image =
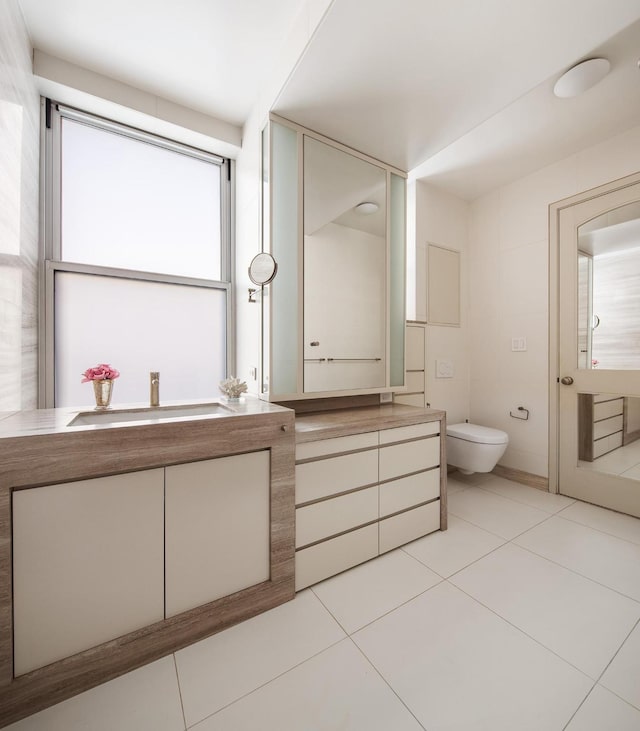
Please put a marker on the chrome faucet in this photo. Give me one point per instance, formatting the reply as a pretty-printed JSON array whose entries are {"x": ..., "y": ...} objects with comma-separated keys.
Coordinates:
[{"x": 154, "y": 388}]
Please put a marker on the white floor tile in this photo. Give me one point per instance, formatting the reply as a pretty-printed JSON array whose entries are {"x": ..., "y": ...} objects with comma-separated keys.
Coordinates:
[
  {"x": 623, "y": 675},
  {"x": 449, "y": 551},
  {"x": 226, "y": 666},
  {"x": 607, "y": 521},
  {"x": 146, "y": 699},
  {"x": 366, "y": 592},
  {"x": 583, "y": 622},
  {"x": 459, "y": 666},
  {"x": 337, "y": 689},
  {"x": 603, "y": 558},
  {"x": 501, "y": 516},
  {"x": 603, "y": 710},
  {"x": 539, "y": 499}
]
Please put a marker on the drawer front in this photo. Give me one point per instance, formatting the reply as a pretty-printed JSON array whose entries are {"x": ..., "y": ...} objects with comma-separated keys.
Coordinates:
[
  {"x": 607, "y": 444},
  {"x": 315, "y": 480},
  {"x": 325, "y": 559},
  {"x": 337, "y": 445},
  {"x": 401, "y": 529},
  {"x": 413, "y": 399},
  {"x": 415, "y": 348},
  {"x": 607, "y": 426},
  {"x": 415, "y": 381},
  {"x": 409, "y": 491},
  {"x": 605, "y": 409},
  {"x": 402, "y": 459},
  {"x": 415, "y": 431},
  {"x": 321, "y": 520}
]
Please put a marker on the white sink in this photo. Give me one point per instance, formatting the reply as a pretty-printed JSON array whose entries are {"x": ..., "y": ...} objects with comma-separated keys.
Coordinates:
[{"x": 154, "y": 414}]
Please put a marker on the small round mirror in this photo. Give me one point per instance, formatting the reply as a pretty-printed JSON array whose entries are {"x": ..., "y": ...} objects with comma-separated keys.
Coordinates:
[{"x": 263, "y": 269}]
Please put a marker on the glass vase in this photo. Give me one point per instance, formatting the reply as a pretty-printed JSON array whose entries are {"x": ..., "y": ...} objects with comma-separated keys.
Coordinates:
[{"x": 103, "y": 390}]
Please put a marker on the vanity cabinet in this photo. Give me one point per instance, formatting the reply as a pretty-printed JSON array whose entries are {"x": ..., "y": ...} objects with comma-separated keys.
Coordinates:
[
  {"x": 217, "y": 529},
  {"x": 360, "y": 495},
  {"x": 87, "y": 564},
  {"x": 334, "y": 220},
  {"x": 601, "y": 424}
]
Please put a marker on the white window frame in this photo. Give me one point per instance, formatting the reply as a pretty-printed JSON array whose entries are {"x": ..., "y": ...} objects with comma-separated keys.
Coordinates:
[{"x": 51, "y": 244}]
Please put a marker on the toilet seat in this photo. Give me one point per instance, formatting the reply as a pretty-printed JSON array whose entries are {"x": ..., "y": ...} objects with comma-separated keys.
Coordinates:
[{"x": 477, "y": 434}]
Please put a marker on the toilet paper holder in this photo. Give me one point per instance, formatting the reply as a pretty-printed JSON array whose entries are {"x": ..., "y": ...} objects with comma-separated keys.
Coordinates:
[{"x": 522, "y": 414}]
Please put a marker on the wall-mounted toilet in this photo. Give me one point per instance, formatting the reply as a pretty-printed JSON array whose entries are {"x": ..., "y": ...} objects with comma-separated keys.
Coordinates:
[{"x": 472, "y": 448}]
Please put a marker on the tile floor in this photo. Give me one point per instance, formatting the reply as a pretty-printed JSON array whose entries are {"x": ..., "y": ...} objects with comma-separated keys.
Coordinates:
[
  {"x": 523, "y": 615},
  {"x": 624, "y": 461}
]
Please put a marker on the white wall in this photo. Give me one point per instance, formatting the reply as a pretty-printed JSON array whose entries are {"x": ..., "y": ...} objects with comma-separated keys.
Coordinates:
[
  {"x": 19, "y": 160},
  {"x": 508, "y": 294},
  {"x": 443, "y": 219}
]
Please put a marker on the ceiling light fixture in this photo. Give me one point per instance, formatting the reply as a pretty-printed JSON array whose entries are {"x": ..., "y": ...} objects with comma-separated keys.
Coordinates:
[
  {"x": 581, "y": 77},
  {"x": 366, "y": 208}
]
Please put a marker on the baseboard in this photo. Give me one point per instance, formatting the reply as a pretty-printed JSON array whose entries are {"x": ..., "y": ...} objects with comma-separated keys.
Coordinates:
[{"x": 525, "y": 478}]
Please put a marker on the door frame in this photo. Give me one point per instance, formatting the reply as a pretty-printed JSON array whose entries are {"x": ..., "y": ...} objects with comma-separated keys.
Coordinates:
[{"x": 554, "y": 314}]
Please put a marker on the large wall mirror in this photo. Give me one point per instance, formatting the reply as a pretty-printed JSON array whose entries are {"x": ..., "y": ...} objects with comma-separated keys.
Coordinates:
[{"x": 344, "y": 281}]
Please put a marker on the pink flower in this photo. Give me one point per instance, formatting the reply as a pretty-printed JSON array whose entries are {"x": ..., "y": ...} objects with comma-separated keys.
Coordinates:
[{"x": 102, "y": 372}]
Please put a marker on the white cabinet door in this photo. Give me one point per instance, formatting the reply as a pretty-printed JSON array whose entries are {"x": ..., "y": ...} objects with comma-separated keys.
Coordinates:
[
  {"x": 87, "y": 564},
  {"x": 217, "y": 528}
]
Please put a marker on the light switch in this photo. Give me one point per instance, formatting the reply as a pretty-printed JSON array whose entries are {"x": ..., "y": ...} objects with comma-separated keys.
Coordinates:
[
  {"x": 518, "y": 344},
  {"x": 444, "y": 369}
]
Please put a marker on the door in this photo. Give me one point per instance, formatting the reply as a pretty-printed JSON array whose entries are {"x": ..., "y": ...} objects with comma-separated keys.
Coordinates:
[{"x": 599, "y": 348}]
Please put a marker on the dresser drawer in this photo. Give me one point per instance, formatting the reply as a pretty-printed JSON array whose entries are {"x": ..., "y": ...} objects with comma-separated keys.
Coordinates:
[
  {"x": 333, "y": 556},
  {"x": 415, "y": 431},
  {"x": 315, "y": 480},
  {"x": 605, "y": 409},
  {"x": 350, "y": 443},
  {"x": 402, "y": 459},
  {"x": 329, "y": 517},
  {"x": 409, "y": 491},
  {"x": 408, "y": 526},
  {"x": 607, "y": 426}
]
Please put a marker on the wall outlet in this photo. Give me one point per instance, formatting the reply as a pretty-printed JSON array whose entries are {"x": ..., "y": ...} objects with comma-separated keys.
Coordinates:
[
  {"x": 386, "y": 398},
  {"x": 253, "y": 373}
]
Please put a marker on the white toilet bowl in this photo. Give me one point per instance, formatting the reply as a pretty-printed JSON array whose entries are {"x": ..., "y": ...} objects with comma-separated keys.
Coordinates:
[{"x": 472, "y": 448}]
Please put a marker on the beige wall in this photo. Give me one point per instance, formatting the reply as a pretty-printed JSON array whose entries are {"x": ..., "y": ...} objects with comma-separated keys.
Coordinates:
[
  {"x": 19, "y": 160},
  {"x": 508, "y": 297}
]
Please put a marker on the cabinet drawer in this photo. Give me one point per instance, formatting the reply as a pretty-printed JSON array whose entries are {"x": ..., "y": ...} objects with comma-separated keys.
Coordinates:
[
  {"x": 607, "y": 426},
  {"x": 402, "y": 459},
  {"x": 401, "y": 433},
  {"x": 320, "y": 520},
  {"x": 409, "y": 491},
  {"x": 415, "y": 348},
  {"x": 412, "y": 399},
  {"x": 607, "y": 444},
  {"x": 401, "y": 529},
  {"x": 337, "y": 445},
  {"x": 327, "y": 477},
  {"x": 331, "y": 557},
  {"x": 415, "y": 381},
  {"x": 605, "y": 409}
]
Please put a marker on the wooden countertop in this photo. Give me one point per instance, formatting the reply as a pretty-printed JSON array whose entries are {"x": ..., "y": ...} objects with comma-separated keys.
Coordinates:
[
  {"x": 341, "y": 422},
  {"x": 38, "y": 447}
]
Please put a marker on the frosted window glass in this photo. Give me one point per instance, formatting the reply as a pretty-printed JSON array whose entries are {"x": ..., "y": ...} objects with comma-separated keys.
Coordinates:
[
  {"x": 397, "y": 279},
  {"x": 284, "y": 289},
  {"x": 138, "y": 327},
  {"x": 134, "y": 205}
]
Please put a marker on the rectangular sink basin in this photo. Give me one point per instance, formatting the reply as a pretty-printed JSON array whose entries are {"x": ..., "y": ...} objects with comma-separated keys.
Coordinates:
[{"x": 153, "y": 414}]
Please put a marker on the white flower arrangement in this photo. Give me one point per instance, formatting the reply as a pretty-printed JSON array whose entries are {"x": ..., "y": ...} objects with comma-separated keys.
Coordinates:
[{"x": 233, "y": 387}]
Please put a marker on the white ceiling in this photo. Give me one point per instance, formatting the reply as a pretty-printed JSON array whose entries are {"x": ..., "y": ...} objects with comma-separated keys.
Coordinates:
[{"x": 458, "y": 91}]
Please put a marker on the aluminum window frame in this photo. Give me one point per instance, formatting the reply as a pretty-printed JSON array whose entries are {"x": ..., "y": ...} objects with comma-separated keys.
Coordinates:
[{"x": 51, "y": 261}]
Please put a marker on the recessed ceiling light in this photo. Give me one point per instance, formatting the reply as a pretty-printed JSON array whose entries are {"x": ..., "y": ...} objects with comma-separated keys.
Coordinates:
[
  {"x": 581, "y": 77},
  {"x": 366, "y": 208}
]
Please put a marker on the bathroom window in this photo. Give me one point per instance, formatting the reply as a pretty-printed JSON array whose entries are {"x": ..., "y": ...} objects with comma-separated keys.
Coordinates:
[{"x": 137, "y": 262}]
